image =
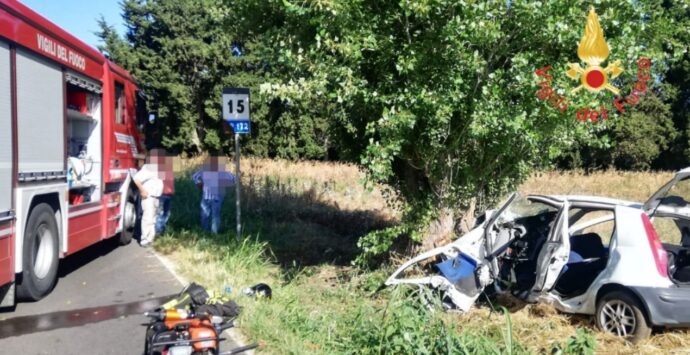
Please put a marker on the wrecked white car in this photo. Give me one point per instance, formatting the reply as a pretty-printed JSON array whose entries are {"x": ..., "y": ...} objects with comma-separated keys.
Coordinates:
[{"x": 583, "y": 254}]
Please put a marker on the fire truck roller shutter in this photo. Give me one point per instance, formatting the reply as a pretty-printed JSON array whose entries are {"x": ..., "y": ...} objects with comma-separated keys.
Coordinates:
[
  {"x": 5, "y": 131},
  {"x": 40, "y": 115}
]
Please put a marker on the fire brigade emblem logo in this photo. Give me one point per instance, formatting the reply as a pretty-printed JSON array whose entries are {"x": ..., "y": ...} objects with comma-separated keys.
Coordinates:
[{"x": 594, "y": 50}]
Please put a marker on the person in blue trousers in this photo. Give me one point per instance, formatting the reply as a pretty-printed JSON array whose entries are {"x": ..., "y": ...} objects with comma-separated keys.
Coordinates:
[
  {"x": 214, "y": 181},
  {"x": 165, "y": 200}
]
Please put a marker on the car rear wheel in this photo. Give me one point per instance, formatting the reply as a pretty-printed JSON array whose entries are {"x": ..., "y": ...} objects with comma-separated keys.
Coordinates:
[
  {"x": 619, "y": 313},
  {"x": 40, "y": 254}
]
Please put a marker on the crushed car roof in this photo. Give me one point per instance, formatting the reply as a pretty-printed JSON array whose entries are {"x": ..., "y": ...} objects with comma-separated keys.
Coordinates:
[{"x": 589, "y": 199}]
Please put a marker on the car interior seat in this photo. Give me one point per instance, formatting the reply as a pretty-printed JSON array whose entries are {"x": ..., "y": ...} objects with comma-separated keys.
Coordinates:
[
  {"x": 682, "y": 274},
  {"x": 679, "y": 258},
  {"x": 679, "y": 265},
  {"x": 588, "y": 258},
  {"x": 588, "y": 245}
]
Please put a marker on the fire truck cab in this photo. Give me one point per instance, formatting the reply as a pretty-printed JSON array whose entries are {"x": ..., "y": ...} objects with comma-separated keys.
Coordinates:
[{"x": 69, "y": 141}]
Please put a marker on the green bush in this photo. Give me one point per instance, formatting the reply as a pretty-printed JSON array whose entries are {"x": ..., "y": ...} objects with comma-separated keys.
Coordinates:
[
  {"x": 412, "y": 323},
  {"x": 582, "y": 343}
]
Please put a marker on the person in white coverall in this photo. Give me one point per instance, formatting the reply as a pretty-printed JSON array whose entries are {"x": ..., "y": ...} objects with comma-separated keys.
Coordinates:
[{"x": 150, "y": 185}]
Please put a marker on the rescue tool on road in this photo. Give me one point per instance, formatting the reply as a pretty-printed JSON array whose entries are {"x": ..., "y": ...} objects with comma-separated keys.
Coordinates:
[{"x": 191, "y": 324}]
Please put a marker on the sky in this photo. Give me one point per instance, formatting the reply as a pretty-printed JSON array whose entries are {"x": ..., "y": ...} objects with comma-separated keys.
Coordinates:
[{"x": 79, "y": 17}]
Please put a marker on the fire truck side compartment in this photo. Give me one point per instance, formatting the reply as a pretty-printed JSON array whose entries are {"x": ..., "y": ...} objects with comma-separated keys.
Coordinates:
[
  {"x": 40, "y": 115},
  {"x": 84, "y": 135}
]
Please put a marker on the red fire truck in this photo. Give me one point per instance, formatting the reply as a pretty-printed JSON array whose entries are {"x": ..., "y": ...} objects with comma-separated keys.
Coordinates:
[{"x": 69, "y": 140}]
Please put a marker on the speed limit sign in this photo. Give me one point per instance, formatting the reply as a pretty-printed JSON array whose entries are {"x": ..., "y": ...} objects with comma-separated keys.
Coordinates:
[{"x": 236, "y": 109}]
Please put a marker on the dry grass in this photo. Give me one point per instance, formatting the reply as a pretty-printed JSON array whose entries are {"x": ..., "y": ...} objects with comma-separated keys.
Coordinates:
[
  {"x": 633, "y": 186},
  {"x": 338, "y": 185},
  {"x": 538, "y": 326}
]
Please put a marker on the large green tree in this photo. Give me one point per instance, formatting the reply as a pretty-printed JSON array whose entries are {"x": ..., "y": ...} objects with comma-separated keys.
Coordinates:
[
  {"x": 678, "y": 79},
  {"x": 182, "y": 54},
  {"x": 437, "y": 98},
  {"x": 176, "y": 50}
]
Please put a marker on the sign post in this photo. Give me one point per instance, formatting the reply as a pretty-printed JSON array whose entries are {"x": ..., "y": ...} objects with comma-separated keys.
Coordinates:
[
  {"x": 236, "y": 113},
  {"x": 238, "y": 183}
]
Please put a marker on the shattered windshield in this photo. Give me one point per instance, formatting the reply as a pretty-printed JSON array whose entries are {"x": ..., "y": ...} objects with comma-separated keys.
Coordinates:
[{"x": 523, "y": 207}]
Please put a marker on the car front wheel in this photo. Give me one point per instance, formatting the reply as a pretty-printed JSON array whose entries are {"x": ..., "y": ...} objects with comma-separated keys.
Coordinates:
[{"x": 621, "y": 314}]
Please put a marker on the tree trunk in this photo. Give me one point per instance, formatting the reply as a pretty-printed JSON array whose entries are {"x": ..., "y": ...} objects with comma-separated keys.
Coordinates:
[
  {"x": 440, "y": 231},
  {"x": 196, "y": 141},
  {"x": 447, "y": 228},
  {"x": 467, "y": 221}
]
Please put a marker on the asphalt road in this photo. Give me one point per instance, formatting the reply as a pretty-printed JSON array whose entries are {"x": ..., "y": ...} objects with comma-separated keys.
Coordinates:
[{"x": 84, "y": 314}]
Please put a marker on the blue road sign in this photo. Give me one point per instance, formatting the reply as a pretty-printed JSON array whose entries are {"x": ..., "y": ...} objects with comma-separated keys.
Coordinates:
[{"x": 241, "y": 127}]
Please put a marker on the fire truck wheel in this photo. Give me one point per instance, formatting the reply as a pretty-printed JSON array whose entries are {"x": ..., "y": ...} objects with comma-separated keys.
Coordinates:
[
  {"x": 129, "y": 219},
  {"x": 40, "y": 254}
]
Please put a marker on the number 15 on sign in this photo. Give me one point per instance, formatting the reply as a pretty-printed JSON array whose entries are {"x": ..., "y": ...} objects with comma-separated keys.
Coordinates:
[{"x": 236, "y": 104}]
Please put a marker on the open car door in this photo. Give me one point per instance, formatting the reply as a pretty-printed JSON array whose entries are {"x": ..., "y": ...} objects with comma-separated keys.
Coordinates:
[
  {"x": 672, "y": 199},
  {"x": 672, "y": 202},
  {"x": 553, "y": 255},
  {"x": 460, "y": 269}
]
